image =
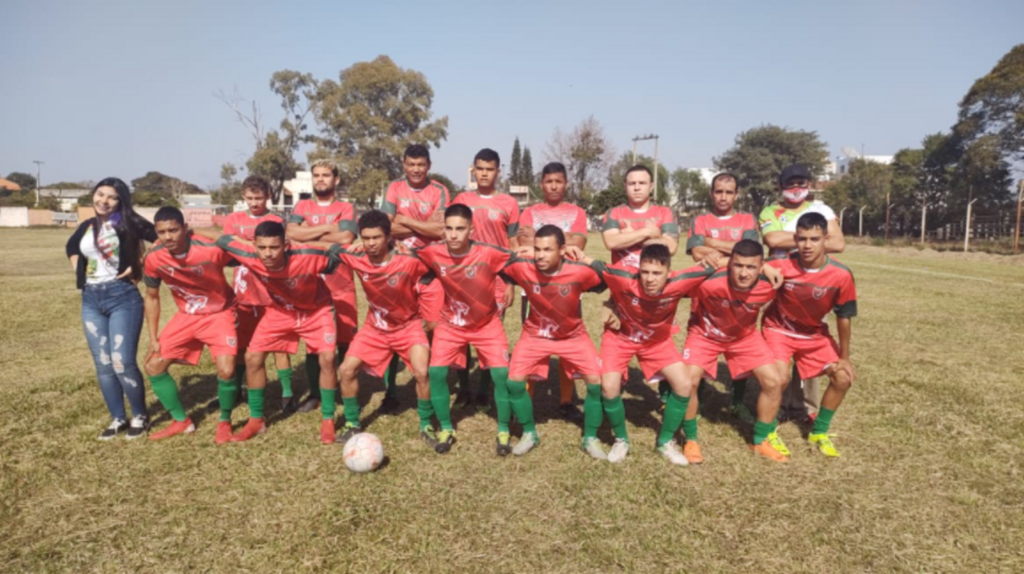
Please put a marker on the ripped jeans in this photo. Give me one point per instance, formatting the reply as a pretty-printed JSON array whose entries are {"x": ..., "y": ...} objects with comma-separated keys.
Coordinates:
[{"x": 112, "y": 316}]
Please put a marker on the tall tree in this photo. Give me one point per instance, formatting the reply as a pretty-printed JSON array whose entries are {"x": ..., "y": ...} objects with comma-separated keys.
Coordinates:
[
  {"x": 982, "y": 173},
  {"x": 867, "y": 183},
  {"x": 230, "y": 190},
  {"x": 529, "y": 177},
  {"x": 24, "y": 180},
  {"x": 516, "y": 170},
  {"x": 994, "y": 106},
  {"x": 690, "y": 190},
  {"x": 368, "y": 117},
  {"x": 759, "y": 154},
  {"x": 587, "y": 153}
]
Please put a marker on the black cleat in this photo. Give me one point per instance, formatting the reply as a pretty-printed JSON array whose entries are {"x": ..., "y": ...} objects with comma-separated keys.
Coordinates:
[
  {"x": 289, "y": 405},
  {"x": 350, "y": 431},
  {"x": 310, "y": 404},
  {"x": 504, "y": 442}
]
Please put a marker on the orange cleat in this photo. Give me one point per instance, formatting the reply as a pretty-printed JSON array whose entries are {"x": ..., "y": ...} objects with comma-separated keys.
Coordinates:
[
  {"x": 691, "y": 450},
  {"x": 327, "y": 431},
  {"x": 223, "y": 432},
  {"x": 766, "y": 450},
  {"x": 252, "y": 428},
  {"x": 177, "y": 427}
]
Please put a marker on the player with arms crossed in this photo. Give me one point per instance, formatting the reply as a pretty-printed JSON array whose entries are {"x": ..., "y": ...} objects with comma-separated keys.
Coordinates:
[
  {"x": 193, "y": 270},
  {"x": 555, "y": 326},
  {"x": 795, "y": 328}
]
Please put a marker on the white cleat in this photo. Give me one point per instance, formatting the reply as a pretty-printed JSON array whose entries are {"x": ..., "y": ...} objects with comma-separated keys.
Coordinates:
[
  {"x": 592, "y": 446},
  {"x": 526, "y": 443},
  {"x": 670, "y": 450},
  {"x": 619, "y": 451}
]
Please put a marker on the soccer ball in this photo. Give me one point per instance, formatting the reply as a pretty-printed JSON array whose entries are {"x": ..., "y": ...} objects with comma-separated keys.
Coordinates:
[{"x": 363, "y": 452}]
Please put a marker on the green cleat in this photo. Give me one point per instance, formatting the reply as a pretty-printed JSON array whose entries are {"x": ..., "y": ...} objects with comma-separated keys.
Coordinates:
[
  {"x": 824, "y": 444},
  {"x": 445, "y": 438},
  {"x": 504, "y": 444},
  {"x": 349, "y": 430},
  {"x": 776, "y": 442}
]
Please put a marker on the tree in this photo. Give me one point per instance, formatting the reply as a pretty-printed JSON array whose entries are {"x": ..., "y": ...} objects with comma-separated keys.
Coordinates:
[
  {"x": 759, "y": 154},
  {"x": 982, "y": 173},
  {"x": 617, "y": 175},
  {"x": 607, "y": 199},
  {"x": 147, "y": 198},
  {"x": 587, "y": 153},
  {"x": 690, "y": 190},
  {"x": 230, "y": 190},
  {"x": 867, "y": 183},
  {"x": 368, "y": 117},
  {"x": 163, "y": 184},
  {"x": 24, "y": 180},
  {"x": 516, "y": 169},
  {"x": 453, "y": 188},
  {"x": 527, "y": 175},
  {"x": 994, "y": 107}
]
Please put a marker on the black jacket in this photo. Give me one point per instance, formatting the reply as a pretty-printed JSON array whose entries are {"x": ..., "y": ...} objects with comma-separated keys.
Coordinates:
[{"x": 73, "y": 247}]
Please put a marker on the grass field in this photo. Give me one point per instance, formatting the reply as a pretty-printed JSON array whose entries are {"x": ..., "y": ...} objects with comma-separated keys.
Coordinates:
[{"x": 931, "y": 478}]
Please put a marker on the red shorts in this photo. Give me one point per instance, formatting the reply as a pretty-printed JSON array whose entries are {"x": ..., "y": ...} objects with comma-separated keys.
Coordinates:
[
  {"x": 449, "y": 346},
  {"x": 742, "y": 355},
  {"x": 812, "y": 356},
  {"x": 184, "y": 336},
  {"x": 280, "y": 330},
  {"x": 345, "y": 315},
  {"x": 246, "y": 319},
  {"x": 531, "y": 356},
  {"x": 374, "y": 347},
  {"x": 431, "y": 299},
  {"x": 654, "y": 356}
]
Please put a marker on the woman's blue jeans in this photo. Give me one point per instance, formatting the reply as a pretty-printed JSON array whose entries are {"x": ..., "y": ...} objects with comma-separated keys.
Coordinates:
[{"x": 112, "y": 315}]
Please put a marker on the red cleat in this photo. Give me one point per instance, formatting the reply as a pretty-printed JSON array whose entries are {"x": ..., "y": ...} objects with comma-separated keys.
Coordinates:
[
  {"x": 223, "y": 432},
  {"x": 177, "y": 427},
  {"x": 327, "y": 431},
  {"x": 252, "y": 428}
]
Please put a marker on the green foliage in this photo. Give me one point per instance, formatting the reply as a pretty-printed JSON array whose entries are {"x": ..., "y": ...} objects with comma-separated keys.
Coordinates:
[
  {"x": 23, "y": 198},
  {"x": 24, "y": 180},
  {"x": 85, "y": 200},
  {"x": 153, "y": 199},
  {"x": 162, "y": 184},
  {"x": 994, "y": 107},
  {"x": 230, "y": 190},
  {"x": 867, "y": 183},
  {"x": 607, "y": 199},
  {"x": 690, "y": 190},
  {"x": 68, "y": 185},
  {"x": 516, "y": 169},
  {"x": 527, "y": 175}
]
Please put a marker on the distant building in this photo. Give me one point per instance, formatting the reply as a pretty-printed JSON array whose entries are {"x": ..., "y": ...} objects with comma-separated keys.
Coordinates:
[
  {"x": 9, "y": 185},
  {"x": 68, "y": 198}
]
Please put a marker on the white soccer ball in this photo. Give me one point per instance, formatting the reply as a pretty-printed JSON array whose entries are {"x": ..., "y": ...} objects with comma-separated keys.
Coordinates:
[{"x": 363, "y": 452}]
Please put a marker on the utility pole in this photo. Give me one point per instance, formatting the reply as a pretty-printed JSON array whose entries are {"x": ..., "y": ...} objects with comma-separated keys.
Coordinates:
[
  {"x": 924, "y": 215},
  {"x": 38, "y": 177},
  {"x": 967, "y": 227}
]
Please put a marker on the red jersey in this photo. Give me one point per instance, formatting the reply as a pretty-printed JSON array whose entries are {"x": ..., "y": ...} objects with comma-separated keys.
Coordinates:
[
  {"x": 808, "y": 295},
  {"x": 571, "y": 219},
  {"x": 735, "y": 227},
  {"x": 468, "y": 282},
  {"x": 196, "y": 279},
  {"x": 644, "y": 318},
  {"x": 724, "y": 314},
  {"x": 296, "y": 285},
  {"x": 554, "y": 299},
  {"x": 390, "y": 287},
  {"x": 625, "y": 218},
  {"x": 418, "y": 204},
  {"x": 338, "y": 212},
  {"x": 495, "y": 217},
  {"x": 243, "y": 224}
]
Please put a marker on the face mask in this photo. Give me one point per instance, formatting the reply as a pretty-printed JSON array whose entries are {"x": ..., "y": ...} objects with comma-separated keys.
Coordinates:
[{"x": 795, "y": 194}]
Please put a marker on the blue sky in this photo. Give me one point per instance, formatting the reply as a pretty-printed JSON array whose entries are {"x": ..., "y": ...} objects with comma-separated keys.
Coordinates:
[{"x": 98, "y": 88}]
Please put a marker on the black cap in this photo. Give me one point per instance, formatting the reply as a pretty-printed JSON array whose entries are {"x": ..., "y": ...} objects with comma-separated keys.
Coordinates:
[{"x": 791, "y": 171}]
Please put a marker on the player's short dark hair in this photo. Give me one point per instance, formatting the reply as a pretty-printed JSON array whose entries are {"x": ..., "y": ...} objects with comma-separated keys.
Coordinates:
[
  {"x": 552, "y": 231},
  {"x": 417, "y": 151},
  {"x": 724, "y": 175},
  {"x": 487, "y": 154},
  {"x": 169, "y": 213},
  {"x": 748, "y": 248},
  {"x": 459, "y": 210},
  {"x": 375, "y": 219},
  {"x": 554, "y": 167},
  {"x": 269, "y": 229},
  {"x": 812, "y": 220},
  {"x": 658, "y": 253},
  {"x": 256, "y": 183},
  {"x": 638, "y": 167}
]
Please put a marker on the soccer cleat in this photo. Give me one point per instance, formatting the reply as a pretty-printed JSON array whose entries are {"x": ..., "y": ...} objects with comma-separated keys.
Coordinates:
[
  {"x": 223, "y": 432},
  {"x": 137, "y": 427},
  {"x": 528, "y": 442},
  {"x": 570, "y": 412},
  {"x": 742, "y": 413},
  {"x": 116, "y": 426},
  {"x": 670, "y": 451},
  {"x": 504, "y": 441},
  {"x": 592, "y": 446},
  {"x": 824, "y": 444},
  {"x": 310, "y": 404},
  {"x": 254, "y": 427},
  {"x": 691, "y": 450},
  {"x": 350, "y": 430},
  {"x": 777, "y": 444},
  {"x": 766, "y": 450},
  {"x": 289, "y": 405},
  {"x": 177, "y": 427},
  {"x": 462, "y": 400},
  {"x": 389, "y": 404},
  {"x": 447, "y": 439},
  {"x": 429, "y": 436},
  {"x": 619, "y": 450},
  {"x": 327, "y": 434}
]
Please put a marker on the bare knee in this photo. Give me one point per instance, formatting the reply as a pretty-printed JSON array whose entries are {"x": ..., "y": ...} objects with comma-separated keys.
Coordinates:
[
  {"x": 841, "y": 381},
  {"x": 226, "y": 372}
]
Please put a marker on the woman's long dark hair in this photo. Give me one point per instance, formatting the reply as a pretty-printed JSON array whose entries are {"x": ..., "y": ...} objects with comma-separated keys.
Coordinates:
[{"x": 126, "y": 223}]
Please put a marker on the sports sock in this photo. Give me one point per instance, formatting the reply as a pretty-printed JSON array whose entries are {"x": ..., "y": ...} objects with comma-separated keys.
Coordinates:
[
  {"x": 502, "y": 404},
  {"x": 824, "y": 421},
  {"x": 440, "y": 396},
  {"x": 520, "y": 401},
  {"x": 227, "y": 392},
  {"x": 425, "y": 409},
  {"x": 167, "y": 391},
  {"x": 566, "y": 387},
  {"x": 675, "y": 411},
  {"x": 351, "y": 406},
  {"x": 761, "y": 431},
  {"x": 486, "y": 381},
  {"x": 690, "y": 429},
  {"x": 313, "y": 375},
  {"x": 593, "y": 413},
  {"x": 616, "y": 413},
  {"x": 285, "y": 375},
  {"x": 328, "y": 403},
  {"x": 739, "y": 390},
  {"x": 256, "y": 403}
]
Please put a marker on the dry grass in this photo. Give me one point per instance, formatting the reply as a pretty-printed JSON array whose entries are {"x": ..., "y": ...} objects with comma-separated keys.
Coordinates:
[{"x": 930, "y": 480}]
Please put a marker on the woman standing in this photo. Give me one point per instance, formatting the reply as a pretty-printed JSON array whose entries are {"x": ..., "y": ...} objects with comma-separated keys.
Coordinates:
[{"x": 106, "y": 253}]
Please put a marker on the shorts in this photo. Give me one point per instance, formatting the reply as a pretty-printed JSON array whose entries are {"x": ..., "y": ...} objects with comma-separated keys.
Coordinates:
[
  {"x": 812, "y": 356},
  {"x": 346, "y": 316},
  {"x": 616, "y": 353},
  {"x": 184, "y": 336},
  {"x": 431, "y": 299},
  {"x": 374, "y": 347},
  {"x": 450, "y": 343},
  {"x": 532, "y": 353},
  {"x": 280, "y": 330},
  {"x": 742, "y": 355},
  {"x": 246, "y": 319}
]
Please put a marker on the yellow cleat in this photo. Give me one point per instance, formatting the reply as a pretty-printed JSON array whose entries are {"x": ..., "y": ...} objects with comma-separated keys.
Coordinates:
[
  {"x": 824, "y": 444},
  {"x": 776, "y": 442}
]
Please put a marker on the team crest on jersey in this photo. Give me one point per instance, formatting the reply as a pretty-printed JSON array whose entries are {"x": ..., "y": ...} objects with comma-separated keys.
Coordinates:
[
  {"x": 636, "y": 301},
  {"x": 424, "y": 208},
  {"x": 329, "y": 338},
  {"x": 819, "y": 292},
  {"x": 725, "y": 303},
  {"x": 536, "y": 289},
  {"x": 493, "y": 215},
  {"x": 735, "y": 233},
  {"x": 291, "y": 283},
  {"x": 198, "y": 270},
  {"x": 366, "y": 276},
  {"x": 471, "y": 272},
  {"x": 232, "y": 341},
  {"x": 564, "y": 290},
  {"x": 393, "y": 280}
]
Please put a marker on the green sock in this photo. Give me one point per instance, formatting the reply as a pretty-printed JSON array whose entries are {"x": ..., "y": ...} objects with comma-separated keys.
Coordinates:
[
  {"x": 593, "y": 413},
  {"x": 690, "y": 429},
  {"x": 675, "y": 411},
  {"x": 440, "y": 396},
  {"x": 664, "y": 390},
  {"x": 502, "y": 405},
  {"x": 328, "y": 403},
  {"x": 616, "y": 413},
  {"x": 351, "y": 407},
  {"x": 390, "y": 378},
  {"x": 739, "y": 390},
  {"x": 227, "y": 392},
  {"x": 425, "y": 409},
  {"x": 486, "y": 382},
  {"x": 256, "y": 403},
  {"x": 167, "y": 391},
  {"x": 824, "y": 421},
  {"x": 519, "y": 399},
  {"x": 761, "y": 431},
  {"x": 285, "y": 375},
  {"x": 313, "y": 375}
]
